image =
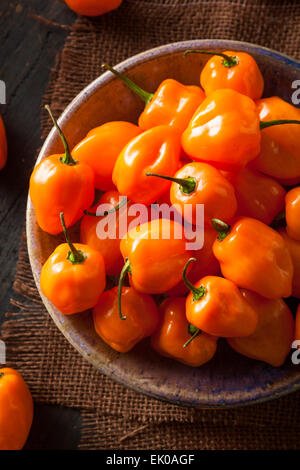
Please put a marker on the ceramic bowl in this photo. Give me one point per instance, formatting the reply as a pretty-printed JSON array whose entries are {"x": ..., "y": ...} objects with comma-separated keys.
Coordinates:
[{"x": 229, "y": 379}]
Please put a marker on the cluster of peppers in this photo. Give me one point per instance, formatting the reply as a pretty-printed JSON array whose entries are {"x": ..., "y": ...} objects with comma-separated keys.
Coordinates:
[{"x": 220, "y": 145}]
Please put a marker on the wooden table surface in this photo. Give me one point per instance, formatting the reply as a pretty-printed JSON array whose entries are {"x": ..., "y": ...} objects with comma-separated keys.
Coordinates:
[{"x": 27, "y": 54}]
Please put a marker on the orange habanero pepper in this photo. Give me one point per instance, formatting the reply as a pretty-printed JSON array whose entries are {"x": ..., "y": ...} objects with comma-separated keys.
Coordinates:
[
  {"x": 230, "y": 69},
  {"x": 201, "y": 183},
  {"x": 294, "y": 249},
  {"x": 16, "y": 410},
  {"x": 141, "y": 318},
  {"x": 216, "y": 306},
  {"x": 272, "y": 339},
  {"x": 3, "y": 145},
  {"x": 156, "y": 150},
  {"x": 93, "y": 7},
  {"x": 173, "y": 104},
  {"x": 292, "y": 213},
  {"x": 60, "y": 184},
  {"x": 258, "y": 195},
  {"x": 73, "y": 277},
  {"x": 174, "y": 334},
  {"x": 254, "y": 256},
  {"x": 101, "y": 147}
]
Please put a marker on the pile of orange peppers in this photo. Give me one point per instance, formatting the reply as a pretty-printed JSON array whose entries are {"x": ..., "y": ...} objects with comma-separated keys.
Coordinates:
[{"x": 219, "y": 144}]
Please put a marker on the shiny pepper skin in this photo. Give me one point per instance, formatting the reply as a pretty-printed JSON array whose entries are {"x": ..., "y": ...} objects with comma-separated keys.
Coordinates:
[
  {"x": 279, "y": 155},
  {"x": 224, "y": 131},
  {"x": 101, "y": 148},
  {"x": 221, "y": 309},
  {"x": 172, "y": 333},
  {"x": 92, "y": 7},
  {"x": 156, "y": 150},
  {"x": 258, "y": 195},
  {"x": 255, "y": 256},
  {"x": 272, "y": 339},
  {"x": 16, "y": 410},
  {"x": 243, "y": 77},
  {"x": 3, "y": 145},
  {"x": 73, "y": 287},
  {"x": 292, "y": 213},
  {"x": 294, "y": 249},
  {"x": 141, "y": 318},
  {"x": 156, "y": 263},
  {"x": 173, "y": 104}
]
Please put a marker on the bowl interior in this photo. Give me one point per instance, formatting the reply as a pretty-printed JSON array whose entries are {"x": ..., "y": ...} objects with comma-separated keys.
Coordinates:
[{"x": 229, "y": 379}]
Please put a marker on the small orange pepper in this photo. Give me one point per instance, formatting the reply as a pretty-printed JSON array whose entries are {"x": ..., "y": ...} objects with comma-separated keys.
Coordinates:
[
  {"x": 101, "y": 147},
  {"x": 156, "y": 150},
  {"x": 173, "y": 104},
  {"x": 294, "y": 249},
  {"x": 258, "y": 195},
  {"x": 292, "y": 213},
  {"x": 200, "y": 183},
  {"x": 141, "y": 318},
  {"x": 254, "y": 256},
  {"x": 93, "y": 7},
  {"x": 73, "y": 277},
  {"x": 216, "y": 306},
  {"x": 3, "y": 145},
  {"x": 16, "y": 410},
  {"x": 271, "y": 341},
  {"x": 174, "y": 332},
  {"x": 230, "y": 69},
  {"x": 60, "y": 184},
  {"x": 279, "y": 155}
]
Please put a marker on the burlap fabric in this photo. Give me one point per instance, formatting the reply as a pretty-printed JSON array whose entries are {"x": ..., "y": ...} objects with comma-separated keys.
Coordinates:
[{"x": 113, "y": 416}]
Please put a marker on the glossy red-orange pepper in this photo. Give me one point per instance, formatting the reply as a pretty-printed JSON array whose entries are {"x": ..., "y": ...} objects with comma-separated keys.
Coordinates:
[
  {"x": 141, "y": 318},
  {"x": 93, "y": 7},
  {"x": 292, "y": 213},
  {"x": 216, "y": 306},
  {"x": 272, "y": 339},
  {"x": 279, "y": 155},
  {"x": 73, "y": 277},
  {"x": 3, "y": 145},
  {"x": 101, "y": 148},
  {"x": 254, "y": 256},
  {"x": 231, "y": 69},
  {"x": 156, "y": 150},
  {"x": 154, "y": 256},
  {"x": 294, "y": 249},
  {"x": 258, "y": 195},
  {"x": 60, "y": 184},
  {"x": 173, "y": 104},
  {"x": 200, "y": 183},
  {"x": 16, "y": 410},
  {"x": 171, "y": 338}
]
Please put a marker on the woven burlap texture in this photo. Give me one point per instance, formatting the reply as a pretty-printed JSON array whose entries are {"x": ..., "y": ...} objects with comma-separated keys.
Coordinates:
[{"x": 113, "y": 416}]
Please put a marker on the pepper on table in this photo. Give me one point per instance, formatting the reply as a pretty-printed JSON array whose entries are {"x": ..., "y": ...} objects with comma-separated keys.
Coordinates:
[
  {"x": 254, "y": 256},
  {"x": 173, "y": 104},
  {"x": 173, "y": 335},
  {"x": 73, "y": 277},
  {"x": 292, "y": 213},
  {"x": 101, "y": 148},
  {"x": 216, "y": 306},
  {"x": 272, "y": 339},
  {"x": 140, "y": 318},
  {"x": 16, "y": 410},
  {"x": 231, "y": 69},
  {"x": 3, "y": 145},
  {"x": 93, "y": 7},
  {"x": 60, "y": 184}
]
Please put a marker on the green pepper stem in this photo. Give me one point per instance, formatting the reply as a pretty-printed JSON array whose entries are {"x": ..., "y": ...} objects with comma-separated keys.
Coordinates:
[
  {"x": 187, "y": 185},
  {"x": 144, "y": 95},
  {"x": 126, "y": 268},
  {"x": 228, "y": 61},
  {"x": 197, "y": 292},
  {"x": 221, "y": 227},
  {"x": 110, "y": 211},
  {"x": 193, "y": 331},
  {"x": 277, "y": 122},
  {"x": 75, "y": 256},
  {"x": 67, "y": 159}
]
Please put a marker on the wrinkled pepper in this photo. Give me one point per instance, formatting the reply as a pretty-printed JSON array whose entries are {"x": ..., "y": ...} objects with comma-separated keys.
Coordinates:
[
  {"x": 294, "y": 249},
  {"x": 292, "y": 213}
]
